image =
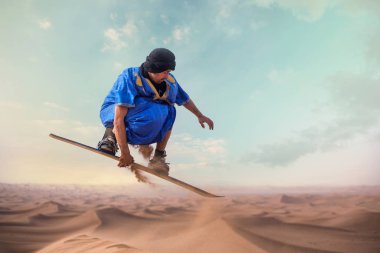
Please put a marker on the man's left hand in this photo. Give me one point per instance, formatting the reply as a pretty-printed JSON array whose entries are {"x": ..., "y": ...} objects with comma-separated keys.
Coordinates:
[{"x": 203, "y": 119}]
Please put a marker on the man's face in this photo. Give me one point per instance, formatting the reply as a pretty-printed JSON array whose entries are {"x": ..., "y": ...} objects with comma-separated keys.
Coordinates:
[{"x": 159, "y": 77}]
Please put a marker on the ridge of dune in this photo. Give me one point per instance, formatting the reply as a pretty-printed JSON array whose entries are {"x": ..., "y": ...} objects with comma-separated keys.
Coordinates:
[
  {"x": 113, "y": 217},
  {"x": 356, "y": 220},
  {"x": 288, "y": 199},
  {"x": 167, "y": 211},
  {"x": 271, "y": 244},
  {"x": 264, "y": 220},
  {"x": 88, "y": 244},
  {"x": 212, "y": 236},
  {"x": 274, "y": 235},
  {"x": 116, "y": 224},
  {"x": 117, "y": 213},
  {"x": 73, "y": 223},
  {"x": 22, "y": 215},
  {"x": 46, "y": 207},
  {"x": 41, "y": 230}
]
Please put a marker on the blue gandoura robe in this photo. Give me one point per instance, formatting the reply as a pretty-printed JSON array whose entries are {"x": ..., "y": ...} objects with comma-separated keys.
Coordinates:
[{"x": 149, "y": 116}]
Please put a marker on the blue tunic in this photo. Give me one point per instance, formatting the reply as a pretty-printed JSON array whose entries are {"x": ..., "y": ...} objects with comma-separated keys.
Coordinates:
[{"x": 150, "y": 116}]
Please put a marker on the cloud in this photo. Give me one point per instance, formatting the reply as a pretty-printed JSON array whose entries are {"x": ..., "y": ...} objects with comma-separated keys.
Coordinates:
[
  {"x": 67, "y": 127},
  {"x": 55, "y": 106},
  {"x": 305, "y": 10},
  {"x": 311, "y": 11},
  {"x": 179, "y": 34},
  {"x": 129, "y": 29},
  {"x": 282, "y": 153},
  {"x": 188, "y": 152},
  {"x": 186, "y": 144},
  {"x": 257, "y": 25},
  {"x": 263, "y": 3},
  {"x": 114, "y": 40},
  {"x": 356, "y": 94},
  {"x": 113, "y": 16},
  {"x": 224, "y": 11},
  {"x": 232, "y": 31},
  {"x": 11, "y": 106},
  {"x": 298, "y": 89},
  {"x": 164, "y": 19},
  {"x": 287, "y": 76},
  {"x": 357, "y": 7},
  {"x": 118, "y": 66},
  {"x": 45, "y": 24},
  {"x": 355, "y": 104},
  {"x": 153, "y": 40},
  {"x": 116, "y": 37},
  {"x": 373, "y": 51},
  {"x": 223, "y": 18}
]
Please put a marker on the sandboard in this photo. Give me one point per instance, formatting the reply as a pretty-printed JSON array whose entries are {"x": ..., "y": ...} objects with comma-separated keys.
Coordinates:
[{"x": 140, "y": 167}]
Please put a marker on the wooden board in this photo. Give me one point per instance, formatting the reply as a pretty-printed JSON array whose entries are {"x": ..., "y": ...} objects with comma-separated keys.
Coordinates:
[{"x": 140, "y": 167}]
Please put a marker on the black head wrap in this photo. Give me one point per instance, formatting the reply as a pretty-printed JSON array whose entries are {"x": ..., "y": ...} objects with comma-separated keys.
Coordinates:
[{"x": 159, "y": 60}]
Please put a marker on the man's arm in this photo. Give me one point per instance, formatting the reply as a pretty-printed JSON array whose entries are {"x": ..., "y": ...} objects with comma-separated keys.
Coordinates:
[
  {"x": 121, "y": 136},
  {"x": 201, "y": 118}
]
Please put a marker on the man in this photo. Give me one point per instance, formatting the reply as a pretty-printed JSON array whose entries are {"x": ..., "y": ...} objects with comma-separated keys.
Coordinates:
[{"x": 139, "y": 109}]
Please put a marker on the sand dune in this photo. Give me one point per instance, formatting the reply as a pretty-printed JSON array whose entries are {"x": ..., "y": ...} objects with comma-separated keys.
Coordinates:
[
  {"x": 48, "y": 219},
  {"x": 87, "y": 244}
]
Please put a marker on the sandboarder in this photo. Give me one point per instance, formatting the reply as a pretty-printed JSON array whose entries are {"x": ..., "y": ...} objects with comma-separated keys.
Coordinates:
[{"x": 139, "y": 110}]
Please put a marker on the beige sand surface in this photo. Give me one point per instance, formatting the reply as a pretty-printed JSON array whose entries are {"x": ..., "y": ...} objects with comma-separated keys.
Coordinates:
[{"x": 110, "y": 219}]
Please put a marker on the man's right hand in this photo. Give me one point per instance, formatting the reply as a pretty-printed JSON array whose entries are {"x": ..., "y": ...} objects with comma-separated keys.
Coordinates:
[{"x": 125, "y": 160}]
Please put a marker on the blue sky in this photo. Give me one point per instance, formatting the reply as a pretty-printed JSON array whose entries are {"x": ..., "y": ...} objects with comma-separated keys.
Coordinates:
[{"x": 293, "y": 87}]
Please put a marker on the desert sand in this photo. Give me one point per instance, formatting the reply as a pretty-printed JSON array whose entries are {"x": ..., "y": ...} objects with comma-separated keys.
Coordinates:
[{"x": 48, "y": 218}]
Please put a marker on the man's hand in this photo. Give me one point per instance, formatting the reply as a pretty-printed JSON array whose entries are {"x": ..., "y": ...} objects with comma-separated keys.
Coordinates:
[
  {"x": 125, "y": 160},
  {"x": 203, "y": 119}
]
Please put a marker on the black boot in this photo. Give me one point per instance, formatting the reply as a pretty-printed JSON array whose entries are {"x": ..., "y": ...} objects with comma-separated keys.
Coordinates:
[{"x": 108, "y": 144}]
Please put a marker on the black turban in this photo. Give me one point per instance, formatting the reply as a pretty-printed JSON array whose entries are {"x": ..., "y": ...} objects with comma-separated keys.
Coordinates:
[{"x": 159, "y": 60}]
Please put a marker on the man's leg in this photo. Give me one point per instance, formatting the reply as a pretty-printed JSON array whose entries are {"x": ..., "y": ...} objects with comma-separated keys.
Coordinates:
[
  {"x": 158, "y": 162},
  {"x": 161, "y": 146},
  {"x": 108, "y": 143},
  {"x": 146, "y": 151}
]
